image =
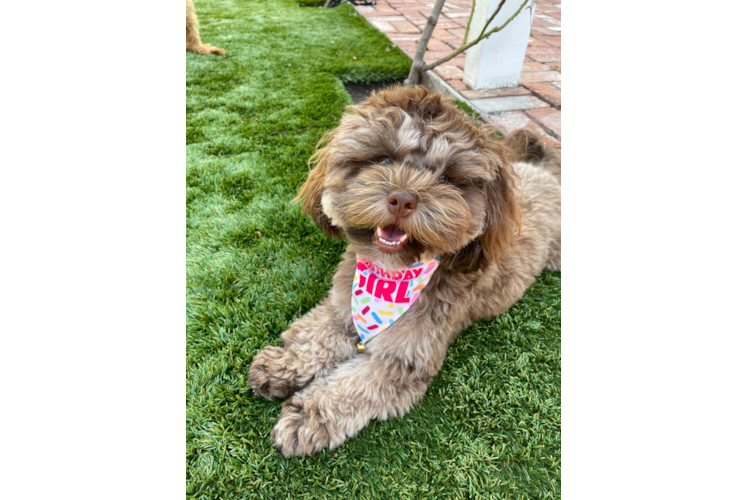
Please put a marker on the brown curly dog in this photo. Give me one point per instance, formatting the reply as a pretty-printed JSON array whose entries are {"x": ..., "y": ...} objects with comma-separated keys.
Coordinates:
[{"x": 407, "y": 178}]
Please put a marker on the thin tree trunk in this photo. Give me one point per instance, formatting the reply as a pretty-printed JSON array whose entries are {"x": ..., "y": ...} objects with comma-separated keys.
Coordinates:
[{"x": 415, "y": 71}]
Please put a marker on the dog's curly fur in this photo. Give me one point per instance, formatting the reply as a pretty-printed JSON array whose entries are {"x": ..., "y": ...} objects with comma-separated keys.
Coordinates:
[
  {"x": 193, "y": 35},
  {"x": 491, "y": 209}
]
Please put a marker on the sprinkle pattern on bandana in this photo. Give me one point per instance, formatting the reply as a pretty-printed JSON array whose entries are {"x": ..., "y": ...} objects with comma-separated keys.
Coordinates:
[{"x": 379, "y": 297}]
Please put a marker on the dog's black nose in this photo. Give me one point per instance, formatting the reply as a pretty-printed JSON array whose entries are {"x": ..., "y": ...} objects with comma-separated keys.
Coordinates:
[{"x": 401, "y": 204}]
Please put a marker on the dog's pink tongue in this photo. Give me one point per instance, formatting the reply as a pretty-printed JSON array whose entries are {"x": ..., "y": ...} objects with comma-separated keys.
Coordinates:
[{"x": 392, "y": 232}]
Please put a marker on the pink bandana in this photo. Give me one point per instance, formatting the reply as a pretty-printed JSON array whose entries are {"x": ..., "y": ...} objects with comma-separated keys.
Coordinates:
[{"x": 379, "y": 297}]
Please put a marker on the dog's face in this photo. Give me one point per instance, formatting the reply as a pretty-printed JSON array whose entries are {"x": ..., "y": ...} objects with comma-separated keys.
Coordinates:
[{"x": 407, "y": 177}]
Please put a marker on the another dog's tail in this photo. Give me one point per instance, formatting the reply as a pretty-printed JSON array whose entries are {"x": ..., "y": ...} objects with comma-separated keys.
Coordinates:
[{"x": 524, "y": 145}]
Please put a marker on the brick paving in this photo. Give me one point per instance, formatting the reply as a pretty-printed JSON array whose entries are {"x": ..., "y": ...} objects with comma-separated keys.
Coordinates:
[{"x": 534, "y": 103}]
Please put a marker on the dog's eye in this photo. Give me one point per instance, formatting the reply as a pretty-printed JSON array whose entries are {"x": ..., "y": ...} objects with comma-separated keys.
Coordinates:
[
  {"x": 443, "y": 178},
  {"x": 383, "y": 159}
]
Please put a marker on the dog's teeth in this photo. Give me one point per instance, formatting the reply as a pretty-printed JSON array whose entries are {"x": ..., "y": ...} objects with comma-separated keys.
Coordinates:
[
  {"x": 387, "y": 242},
  {"x": 379, "y": 233},
  {"x": 403, "y": 238}
]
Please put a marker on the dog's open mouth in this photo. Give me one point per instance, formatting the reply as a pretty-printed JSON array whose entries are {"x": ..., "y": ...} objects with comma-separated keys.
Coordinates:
[{"x": 390, "y": 239}]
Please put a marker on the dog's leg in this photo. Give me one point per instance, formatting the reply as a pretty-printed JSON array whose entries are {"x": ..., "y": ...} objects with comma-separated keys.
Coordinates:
[
  {"x": 313, "y": 345},
  {"x": 193, "y": 30},
  {"x": 193, "y": 35},
  {"x": 387, "y": 380},
  {"x": 207, "y": 48},
  {"x": 338, "y": 406}
]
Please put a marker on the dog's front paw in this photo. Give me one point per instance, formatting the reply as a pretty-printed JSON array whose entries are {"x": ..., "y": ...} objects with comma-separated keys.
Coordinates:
[
  {"x": 269, "y": 375},
  {"x": 301, "y": 429}
]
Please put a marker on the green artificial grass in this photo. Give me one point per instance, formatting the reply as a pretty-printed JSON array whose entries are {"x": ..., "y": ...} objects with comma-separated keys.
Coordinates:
[
  {"x": 489, "y": 425},
  {"x": 473, "y": 114}
]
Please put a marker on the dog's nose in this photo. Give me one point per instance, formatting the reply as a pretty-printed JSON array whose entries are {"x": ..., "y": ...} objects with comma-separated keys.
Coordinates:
[{"x": 401, "y": 204}]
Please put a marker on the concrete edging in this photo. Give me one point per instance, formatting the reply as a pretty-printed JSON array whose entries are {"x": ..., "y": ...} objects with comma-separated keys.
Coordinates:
[{"x": 435, "y": 83}]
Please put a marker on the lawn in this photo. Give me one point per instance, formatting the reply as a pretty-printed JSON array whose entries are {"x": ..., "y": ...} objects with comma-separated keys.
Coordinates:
[{"x": 489, "y": 425}]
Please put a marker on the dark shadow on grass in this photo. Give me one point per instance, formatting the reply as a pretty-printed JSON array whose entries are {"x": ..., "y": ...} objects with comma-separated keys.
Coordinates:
[{"x": 360, "y": 92}]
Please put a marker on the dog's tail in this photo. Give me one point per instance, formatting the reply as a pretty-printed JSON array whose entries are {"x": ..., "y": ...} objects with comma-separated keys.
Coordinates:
[{"x": 524, "y": 145}]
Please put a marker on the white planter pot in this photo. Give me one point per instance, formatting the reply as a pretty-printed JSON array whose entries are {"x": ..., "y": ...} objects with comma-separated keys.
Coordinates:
[{"x": 497, "y": 61}]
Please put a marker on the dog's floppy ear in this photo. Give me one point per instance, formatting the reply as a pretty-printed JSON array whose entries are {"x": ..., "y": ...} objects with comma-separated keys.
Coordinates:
[
  {"x": 310, "y": 194},
  {"x": 503, "y": 218},
  {"x": 503, "y": 214}
]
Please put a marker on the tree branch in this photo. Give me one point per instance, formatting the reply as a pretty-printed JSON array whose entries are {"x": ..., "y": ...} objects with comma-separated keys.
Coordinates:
[
  {"x": 470, "y": 20},
  {"x": 492, "y": 16}
]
